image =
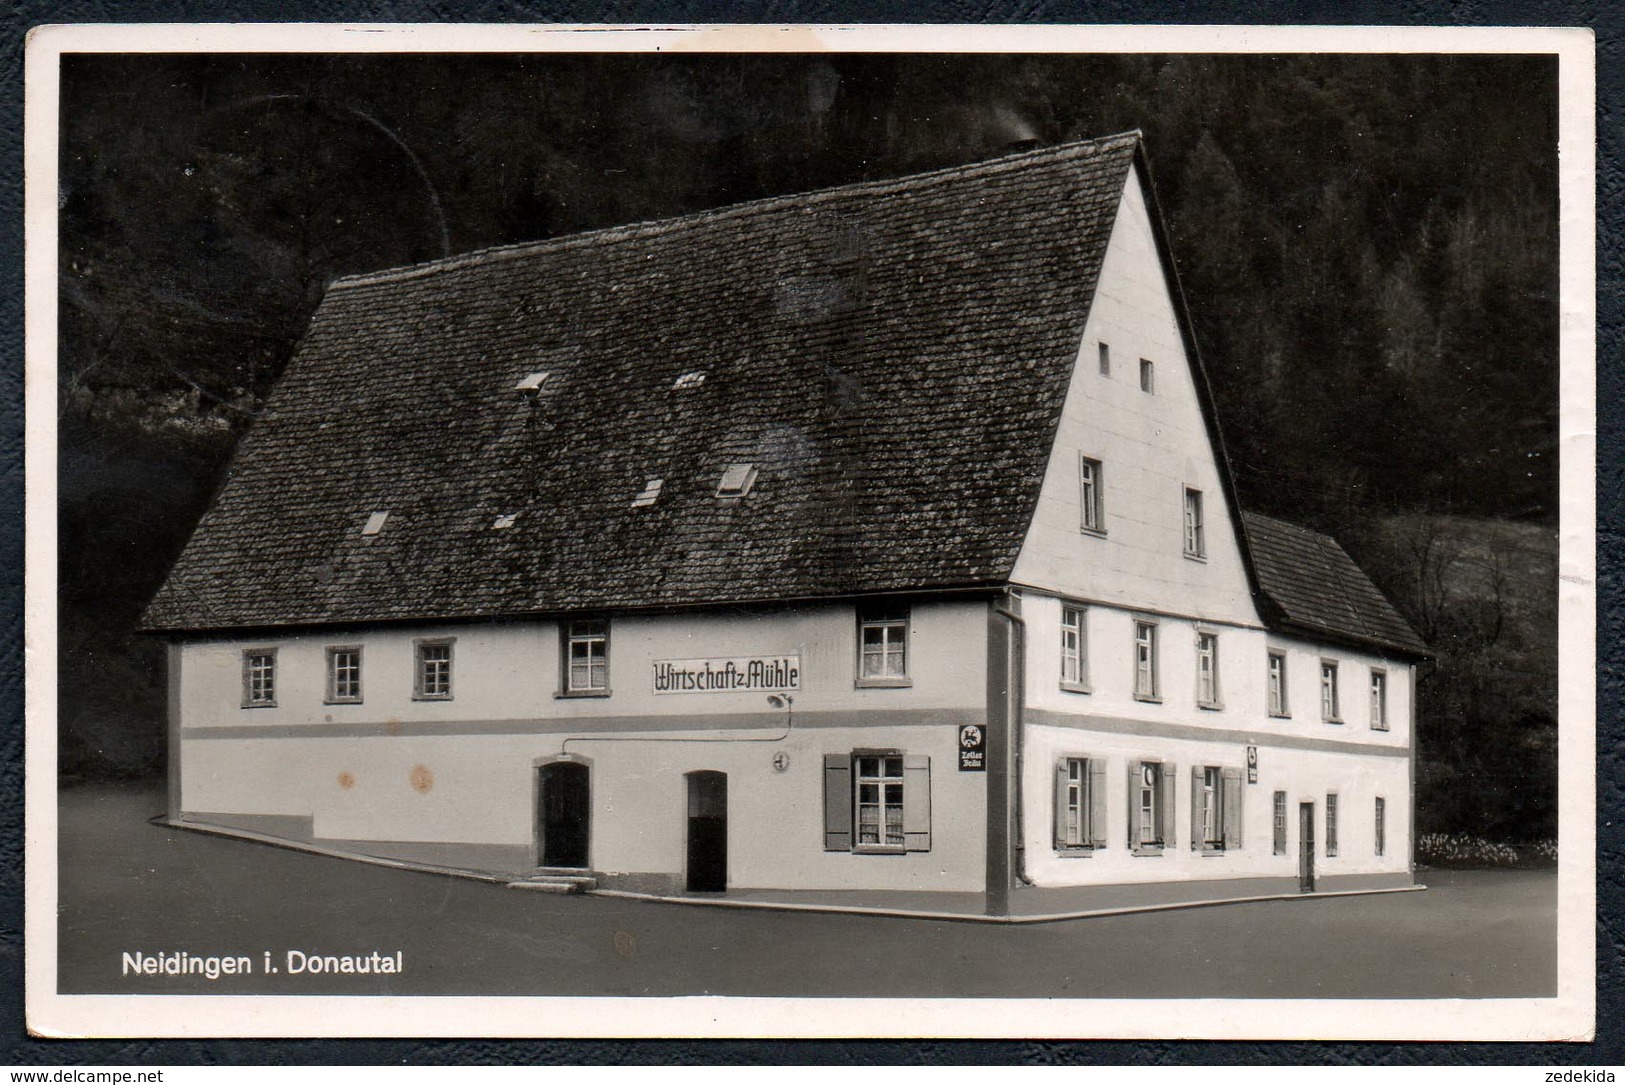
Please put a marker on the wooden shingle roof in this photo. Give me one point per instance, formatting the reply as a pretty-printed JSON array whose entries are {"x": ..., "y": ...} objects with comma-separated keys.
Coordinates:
[
  {"x": 890, "y": 356},
  {"x": 1313, "y": 587}
]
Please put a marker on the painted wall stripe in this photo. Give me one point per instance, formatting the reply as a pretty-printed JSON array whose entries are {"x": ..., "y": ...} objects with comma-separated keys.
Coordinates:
[{"x": 1191, "y": 733}]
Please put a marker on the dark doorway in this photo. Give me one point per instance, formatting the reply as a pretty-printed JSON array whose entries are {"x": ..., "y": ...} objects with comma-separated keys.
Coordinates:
[
  {"x": 707, "y": 832},
  {"x": 564, "y": 801},
  {"x": 1306, "y": 847}
]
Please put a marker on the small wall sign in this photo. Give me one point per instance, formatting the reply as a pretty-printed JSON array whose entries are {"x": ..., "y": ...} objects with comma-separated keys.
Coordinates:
[
  {"x": 1252, "y": 764},
  {"x": 735, "y": 674},
  {"x": 972, "y": 748}
]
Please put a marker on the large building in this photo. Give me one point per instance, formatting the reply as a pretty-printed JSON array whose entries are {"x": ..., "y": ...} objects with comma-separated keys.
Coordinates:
[{"x": 880, "y": 538}]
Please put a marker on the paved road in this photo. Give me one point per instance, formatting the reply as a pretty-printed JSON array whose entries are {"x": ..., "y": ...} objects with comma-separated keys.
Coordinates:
[{"x": 129, "y": 886}]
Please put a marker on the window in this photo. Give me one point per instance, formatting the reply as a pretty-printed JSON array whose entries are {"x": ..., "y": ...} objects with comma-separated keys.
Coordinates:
[
  {"x": 259, "y": 678},
  {"x": 1331, "y": 824},
  {"x": 433, "y": 671},
  {"x": 1379, "y": 700},
  {"x": 1091, "y": 495},
  {"x": 737, "y": 480},
  {"x": 1381, "y": 825},
  {"x": 505, "y": 521},
  {"x": 1277, "y": 684},
  {"x": 1147, "y": 376},
  {"x": 1074, "y": 649},
  {"x": 1328, "y": 691},
  {"x": 1145, "y": 661},
  {"x": 649, "y": 494},
  {"x": 689, "y": 380},
  {"x": 882, "y": 647},
  {"x": 877, "y": 801},
  {"x": 375, "y": 523},
  {"x": 1216, "y": 794},
  {"x": 1279, "y": 845},
  {"x": 1207, "y": 670},
  {"x": 344, "y": 675},
  {"x": 1080, "y": 804},
  {"x": 1195, "y": 540},
  {"x": 531, "y": 383},
  {"x": 586, "y": 657},
  {"x": 1105, "y": 360},
  {"x": 1150, "y": 798}
]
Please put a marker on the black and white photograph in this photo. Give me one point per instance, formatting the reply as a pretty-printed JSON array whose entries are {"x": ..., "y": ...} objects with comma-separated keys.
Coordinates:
[{"x": 903, "y": 533}]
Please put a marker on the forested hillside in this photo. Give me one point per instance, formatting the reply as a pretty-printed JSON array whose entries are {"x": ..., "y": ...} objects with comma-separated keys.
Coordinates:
[{"x": 1367, "y": 244}]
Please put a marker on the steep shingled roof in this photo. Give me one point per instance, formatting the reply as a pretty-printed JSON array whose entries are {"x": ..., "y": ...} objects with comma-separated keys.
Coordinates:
[
  {"x": 1316, "y": 587},
  {"x": 891, "y": 356}
]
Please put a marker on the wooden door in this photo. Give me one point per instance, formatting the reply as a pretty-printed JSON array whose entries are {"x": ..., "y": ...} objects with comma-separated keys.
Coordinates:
[
  {"x": 1306, "y": 847},
  {"x": 707, "y": 832},
  {"x": 564, "y": 814}
]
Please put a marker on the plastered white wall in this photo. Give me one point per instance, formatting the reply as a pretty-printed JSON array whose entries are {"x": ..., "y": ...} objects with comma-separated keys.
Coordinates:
[
  {"x": 511, "y": 671},
  {"x": 1305, "y": 776},
  {"x": 481, "y": 789},
  {"x": 1242, "y": 670},
  {"x": 1151, "y": 446}
]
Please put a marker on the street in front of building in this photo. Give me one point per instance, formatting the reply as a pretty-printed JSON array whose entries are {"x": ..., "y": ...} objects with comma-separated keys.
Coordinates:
[{"x": 132, "y": 888}]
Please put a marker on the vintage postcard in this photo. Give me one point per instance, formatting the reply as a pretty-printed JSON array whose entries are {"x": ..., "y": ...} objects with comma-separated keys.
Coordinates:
[{"x": 810, "y": 531}]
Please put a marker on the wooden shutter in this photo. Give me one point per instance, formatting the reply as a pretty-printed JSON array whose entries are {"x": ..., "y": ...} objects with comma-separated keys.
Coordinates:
[
  {"x": 1196, "y": 808},
  {"x": 837, "y": 802},
  {"x": 916, "y": 802},
  {"x": 1059, "y": 820},
  {"x": 1097, "y": 801},
  {"x": 1170, "y": 835},
  {"x": 1134, "y": 769},
  {"x": 1234, "y": 792}
]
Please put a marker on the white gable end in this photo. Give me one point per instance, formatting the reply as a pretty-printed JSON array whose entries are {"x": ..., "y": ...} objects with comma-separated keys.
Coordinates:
[{"x": 1151, "y": 446}]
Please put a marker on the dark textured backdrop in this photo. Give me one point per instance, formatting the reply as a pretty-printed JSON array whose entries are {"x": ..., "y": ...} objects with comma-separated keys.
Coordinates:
[{"x": 371, "y": 1051}]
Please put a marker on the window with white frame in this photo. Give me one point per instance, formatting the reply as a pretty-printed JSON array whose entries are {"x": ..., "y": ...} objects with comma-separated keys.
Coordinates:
[
  {"x": 432, "y": 674},
  {"x": 1277, "y": 684},
  {"x": 259, "y": 678},
  {"x": 877, "y": 801},
  {"x": 883, "y": 646},
  {"x": 1080, "y": 804},
  {"x": 1216, "y": 818},
  {"x": 1331, "y": 823},
  {"x": 344, "y": 675},
  {"x": 1379, "y": 700},
  {"x": 1328, "y": 691},
  {"x": 1145, "y": 661},
  {"x": 1381, "y": 826},
  {"x": 1091, "y": 495},
  {"x": 586, "y": 657},
  {"x": 1074, "y": 648},
  {"x": 1207, "y": 670},
  {"x": 1150, "y": 794},
  {"x": 1195, "y": 533},
  {"x": 1278, "y": 845}
]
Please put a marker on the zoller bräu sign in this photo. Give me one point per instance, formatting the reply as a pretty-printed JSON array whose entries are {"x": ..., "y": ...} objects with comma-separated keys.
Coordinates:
[{"x": 738, "y": 674}]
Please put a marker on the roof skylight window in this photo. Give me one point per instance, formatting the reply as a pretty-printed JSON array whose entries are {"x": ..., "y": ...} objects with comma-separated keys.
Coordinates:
[
  {"x": 531, "y": 383},
  {"x": 649, "y": 494},
  {"x": 375, "y": 523},
  {"x": 737, "y": 480},
  {"x": 690, "y": 380},
  {"x": 505, "y": 521}
]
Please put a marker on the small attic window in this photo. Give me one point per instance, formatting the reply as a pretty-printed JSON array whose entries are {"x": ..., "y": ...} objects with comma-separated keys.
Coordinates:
[
  {"x": 375, "y": 523},
  {"x": 505, "y": 521},
  {"x": 689, "y": 380},
  {"x": 737, "y": 480},
  {"x": 531, "y": 383},
  {"x": 649, "y": 494}
]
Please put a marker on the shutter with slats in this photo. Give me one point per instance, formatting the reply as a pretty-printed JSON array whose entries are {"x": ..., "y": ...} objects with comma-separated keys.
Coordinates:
[
  {"x": 1196, "y": 808},
  {"x": 1059, "y": 789},
  {"x": 916, "y": 802},
  {"x": 1233, "y": 794},
  {"x": 837, "y": 802},
  {"x": 1134, "y": 769},
  {"x": 1097, "y": 801},
  {"x": 1165, "y": 804}
]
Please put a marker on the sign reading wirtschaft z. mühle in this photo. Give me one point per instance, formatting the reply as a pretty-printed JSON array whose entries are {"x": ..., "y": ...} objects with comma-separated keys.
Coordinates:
[{"x": 739, "y": 674}]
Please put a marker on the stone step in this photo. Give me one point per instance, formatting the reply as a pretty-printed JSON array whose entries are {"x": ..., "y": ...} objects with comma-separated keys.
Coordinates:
[{"x": 556, "y": 883}]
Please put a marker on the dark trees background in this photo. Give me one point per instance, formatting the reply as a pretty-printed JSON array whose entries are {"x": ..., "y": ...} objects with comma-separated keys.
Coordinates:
[{"x": 1368, "y": 245}]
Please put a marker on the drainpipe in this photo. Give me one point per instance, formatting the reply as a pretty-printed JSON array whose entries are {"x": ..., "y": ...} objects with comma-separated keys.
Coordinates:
[
  {"x": 1006, "y": 654},
  {"x": 1018, "y": 725}
]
